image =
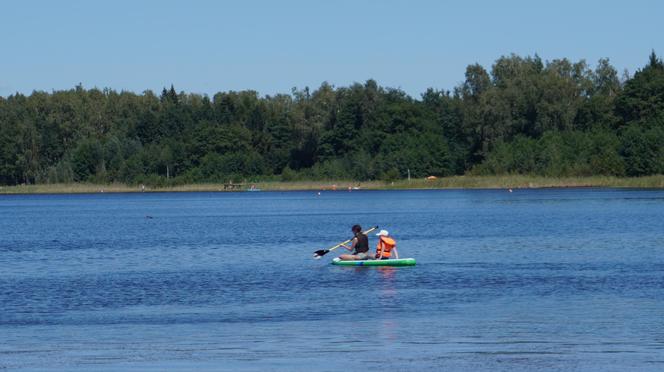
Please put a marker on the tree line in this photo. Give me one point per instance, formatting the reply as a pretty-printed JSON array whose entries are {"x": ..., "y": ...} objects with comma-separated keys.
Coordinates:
[{"x": 524, "y": 116}]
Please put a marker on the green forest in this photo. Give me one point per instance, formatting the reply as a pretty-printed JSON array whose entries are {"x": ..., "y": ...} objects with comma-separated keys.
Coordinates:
[{"x": 525, "y": 116}]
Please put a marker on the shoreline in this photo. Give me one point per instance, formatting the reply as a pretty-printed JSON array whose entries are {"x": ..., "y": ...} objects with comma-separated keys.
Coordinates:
[{"x": 443, "y": 183}]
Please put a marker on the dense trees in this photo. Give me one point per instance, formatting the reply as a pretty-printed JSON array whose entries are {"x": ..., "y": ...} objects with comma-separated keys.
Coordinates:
[{"x": 524, "y": 115}]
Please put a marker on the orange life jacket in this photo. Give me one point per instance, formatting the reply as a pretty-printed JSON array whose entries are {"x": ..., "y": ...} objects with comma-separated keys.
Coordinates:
[{"x": 387, "y": 244}]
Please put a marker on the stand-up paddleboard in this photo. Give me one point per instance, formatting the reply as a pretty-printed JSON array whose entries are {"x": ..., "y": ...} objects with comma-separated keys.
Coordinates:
[{"x": 390, "y": 262}]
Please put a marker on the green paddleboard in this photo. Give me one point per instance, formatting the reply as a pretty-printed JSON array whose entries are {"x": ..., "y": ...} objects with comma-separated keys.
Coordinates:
[{"x": 392, "y": 262}]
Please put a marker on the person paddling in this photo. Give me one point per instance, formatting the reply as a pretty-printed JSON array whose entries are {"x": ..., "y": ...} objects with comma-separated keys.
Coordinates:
[
  {"x": 386, "y": 244},
  {"x": 360, "y": 245}
]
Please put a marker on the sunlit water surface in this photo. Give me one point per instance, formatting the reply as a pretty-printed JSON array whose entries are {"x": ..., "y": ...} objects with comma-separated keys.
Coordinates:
[{"x": 567, "y": 279}]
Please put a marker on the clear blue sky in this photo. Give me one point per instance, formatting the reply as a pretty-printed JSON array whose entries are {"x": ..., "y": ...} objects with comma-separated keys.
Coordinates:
[{"x": 272, "y": 46}]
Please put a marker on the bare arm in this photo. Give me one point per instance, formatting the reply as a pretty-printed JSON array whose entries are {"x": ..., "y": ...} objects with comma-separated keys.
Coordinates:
[{"x": 352, "y": 245}]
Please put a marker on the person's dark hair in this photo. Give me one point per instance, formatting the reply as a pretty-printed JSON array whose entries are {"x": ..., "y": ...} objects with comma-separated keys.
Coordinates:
[{"x": 356, "y": 228}]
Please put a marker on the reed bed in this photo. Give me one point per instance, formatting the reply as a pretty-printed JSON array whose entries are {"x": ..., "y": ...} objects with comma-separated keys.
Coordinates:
[{"x": 454, "y": 182}]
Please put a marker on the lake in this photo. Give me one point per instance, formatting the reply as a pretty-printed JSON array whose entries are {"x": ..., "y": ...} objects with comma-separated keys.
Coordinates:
[{"x": 554, "y": 279}]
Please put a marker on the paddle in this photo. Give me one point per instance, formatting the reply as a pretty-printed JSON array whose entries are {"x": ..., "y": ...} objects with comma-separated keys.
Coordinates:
[{"x": 322, "y": 252}]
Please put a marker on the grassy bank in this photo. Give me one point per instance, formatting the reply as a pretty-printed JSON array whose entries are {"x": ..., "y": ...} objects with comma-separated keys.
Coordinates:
[
  {"x": 521, "y": 181},
  {"x": 461, "y": 182}
]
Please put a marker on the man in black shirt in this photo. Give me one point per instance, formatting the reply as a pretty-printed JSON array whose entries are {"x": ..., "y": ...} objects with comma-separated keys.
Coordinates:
[{"x": 359, "y": 246}]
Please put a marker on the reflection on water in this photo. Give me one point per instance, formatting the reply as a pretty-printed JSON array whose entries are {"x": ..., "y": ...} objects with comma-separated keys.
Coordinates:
[{"x": 534, "y": 279}]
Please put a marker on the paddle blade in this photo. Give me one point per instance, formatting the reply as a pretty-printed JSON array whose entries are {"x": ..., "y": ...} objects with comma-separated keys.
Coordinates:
[{"x": 320, "y": 253}]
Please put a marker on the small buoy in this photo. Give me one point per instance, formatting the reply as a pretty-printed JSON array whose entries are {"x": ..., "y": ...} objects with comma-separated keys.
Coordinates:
[{"x": 319, "y": 193}]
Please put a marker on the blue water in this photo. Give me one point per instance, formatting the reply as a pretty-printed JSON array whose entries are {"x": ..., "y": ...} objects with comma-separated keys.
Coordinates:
[{"x": 568, "y": 279}]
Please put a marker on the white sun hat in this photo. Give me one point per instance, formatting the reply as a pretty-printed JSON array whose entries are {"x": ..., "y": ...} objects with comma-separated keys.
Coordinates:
[{"x": 383, "y": 233}]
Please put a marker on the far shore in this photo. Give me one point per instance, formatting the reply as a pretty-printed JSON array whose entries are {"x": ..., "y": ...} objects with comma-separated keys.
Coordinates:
[{"x": 455, "y": 182}]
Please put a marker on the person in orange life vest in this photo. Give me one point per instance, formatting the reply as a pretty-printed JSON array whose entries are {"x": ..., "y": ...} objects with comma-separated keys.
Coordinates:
[{"x": 386, "y": 245}]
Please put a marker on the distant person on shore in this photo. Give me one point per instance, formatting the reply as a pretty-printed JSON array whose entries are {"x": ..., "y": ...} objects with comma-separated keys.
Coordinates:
[
  {"x": 386, "y": 245},
  {"x": 359, "y": 246}
]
